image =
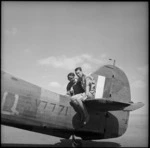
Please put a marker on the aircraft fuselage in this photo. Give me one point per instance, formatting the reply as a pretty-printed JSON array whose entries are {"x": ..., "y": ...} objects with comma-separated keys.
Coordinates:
[{"x": 30, "y": 107}]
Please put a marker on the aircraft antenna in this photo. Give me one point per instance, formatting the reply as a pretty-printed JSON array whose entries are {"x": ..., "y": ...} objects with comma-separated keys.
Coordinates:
[{"x": 114, "y": 61}]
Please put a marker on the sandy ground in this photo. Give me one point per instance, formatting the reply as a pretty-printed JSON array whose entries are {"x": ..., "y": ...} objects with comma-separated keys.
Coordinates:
[{"x": 135, "y": 136}]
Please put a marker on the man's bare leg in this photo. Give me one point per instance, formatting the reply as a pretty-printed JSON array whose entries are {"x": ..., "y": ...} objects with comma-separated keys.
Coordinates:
[{"x": 80, "y": 108}]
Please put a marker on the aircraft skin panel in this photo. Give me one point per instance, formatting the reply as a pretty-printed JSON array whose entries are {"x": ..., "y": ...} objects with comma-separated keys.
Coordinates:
[
  {"x": 33, "y": 109},
  {"x": 107, "y": 88},
  {"x": 37, "y": 126},
  {"x": 28, "y": 106},
  {"x": 19, "y": 86},
  {"x": 18, "y": 100},
  {"x": 118, "y": 88},
  {"x": 42, "y": 110},
  {"x": 116, "y": 123}
]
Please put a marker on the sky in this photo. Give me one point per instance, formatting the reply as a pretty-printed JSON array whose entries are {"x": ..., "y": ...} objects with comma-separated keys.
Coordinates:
[{"x": 43, "y": 41}]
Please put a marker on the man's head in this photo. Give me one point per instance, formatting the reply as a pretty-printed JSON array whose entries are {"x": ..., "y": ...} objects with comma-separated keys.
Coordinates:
[
  {"x": 71, "y": 76},
  {"x": 79, "y": 72}
]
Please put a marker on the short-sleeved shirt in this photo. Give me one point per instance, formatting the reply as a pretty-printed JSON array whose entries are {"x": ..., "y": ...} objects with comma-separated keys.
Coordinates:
[
  {"x": 88, "y": 80},
  {"x": 77, "y": 88}
]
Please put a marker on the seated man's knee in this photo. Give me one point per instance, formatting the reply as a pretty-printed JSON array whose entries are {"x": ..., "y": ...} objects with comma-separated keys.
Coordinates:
[
  {"x": 90, "y": 96},
  {"x": 77, "y": 97},
  {"x": 73, "y": 101}
]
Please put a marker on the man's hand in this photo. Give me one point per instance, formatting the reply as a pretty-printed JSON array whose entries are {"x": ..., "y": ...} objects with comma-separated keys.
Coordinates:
[
  {"x": 84, "y": 97},
  {"x": 71, "y": 91},
  {"x": 68, "y": 93}
]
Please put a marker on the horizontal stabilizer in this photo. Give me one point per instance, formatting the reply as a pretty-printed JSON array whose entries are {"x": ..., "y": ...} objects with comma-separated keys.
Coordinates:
[
  {"x": 103, "y": 104},
  {"x": 134, "y": 106}
]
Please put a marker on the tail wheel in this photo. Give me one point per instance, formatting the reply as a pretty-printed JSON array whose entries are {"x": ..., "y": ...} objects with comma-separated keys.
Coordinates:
[{"x": 76, "y": 143}]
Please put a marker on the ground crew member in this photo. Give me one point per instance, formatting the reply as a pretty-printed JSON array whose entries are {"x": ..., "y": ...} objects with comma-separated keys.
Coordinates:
[
  {"x": 74, "y": 86},
  {"x": 87, "y": 82},
  {"x": 88, "y": 86}
]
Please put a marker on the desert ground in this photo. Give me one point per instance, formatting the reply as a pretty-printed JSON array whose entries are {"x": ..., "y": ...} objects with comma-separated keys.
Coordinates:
[{"x": 135, "y": 136}]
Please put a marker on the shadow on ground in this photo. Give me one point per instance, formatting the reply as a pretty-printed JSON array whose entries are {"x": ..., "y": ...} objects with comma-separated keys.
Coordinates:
[{"x": 67, "y": 143}]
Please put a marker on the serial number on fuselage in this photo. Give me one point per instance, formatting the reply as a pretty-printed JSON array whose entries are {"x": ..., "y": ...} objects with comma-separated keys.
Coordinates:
[{"x": 14, "y": 104}]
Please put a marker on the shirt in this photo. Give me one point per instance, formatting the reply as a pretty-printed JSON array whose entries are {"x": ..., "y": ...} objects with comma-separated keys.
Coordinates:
[
  {"x": 76, "y": 86},
  {"x": 88, "y": 84}
]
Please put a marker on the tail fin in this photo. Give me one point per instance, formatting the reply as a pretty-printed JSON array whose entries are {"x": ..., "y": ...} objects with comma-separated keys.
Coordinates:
[{"x": 112, "y": 83}]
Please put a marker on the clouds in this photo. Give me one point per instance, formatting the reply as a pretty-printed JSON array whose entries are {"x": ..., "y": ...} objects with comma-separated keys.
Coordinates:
[
  {"x": 54, "y": 85},
  {"x": 66, "y": 64},
  {"x": 86, "y": 61},
  {"x": 89, "y": 63}
]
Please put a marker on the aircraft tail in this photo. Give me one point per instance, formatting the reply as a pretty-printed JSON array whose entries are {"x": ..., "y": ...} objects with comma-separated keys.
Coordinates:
[
  {"x": 104, "y": 105},
  {"x": 112, "y": 83},
  {"x": 112, "y": 97}
]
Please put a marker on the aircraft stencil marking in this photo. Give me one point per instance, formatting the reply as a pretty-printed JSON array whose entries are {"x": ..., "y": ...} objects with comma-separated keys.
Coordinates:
[
  {"x": 3, "y": 100},
  {"x": 42, "y": 106},
  {"x": 53, "y": 107},
  {"x": 62, "y": 107},
  {"x": 38, "y": 103},
  {"x": 100, "y": 87},
  {"x": 45, "y": 105},
  {"x": 13, "y": 109},
  {"x": 66, "y": 111}
]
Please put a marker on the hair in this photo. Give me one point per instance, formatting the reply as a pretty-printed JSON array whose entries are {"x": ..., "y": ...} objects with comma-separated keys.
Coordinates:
[
  {"x": 70, "y": 74},
  {"x": 78, "y": 68}
]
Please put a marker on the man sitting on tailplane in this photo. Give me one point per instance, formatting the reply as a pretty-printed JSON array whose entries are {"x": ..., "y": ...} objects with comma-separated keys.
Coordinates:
[{"x": 88, "y": 85}]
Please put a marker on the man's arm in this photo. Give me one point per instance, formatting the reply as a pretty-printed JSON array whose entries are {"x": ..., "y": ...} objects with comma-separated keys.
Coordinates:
[
  {"x": 69, "y": 90},
  {"x": 68, "y": 93},
  {"x": 90, "y": 87},
  {"x": 87, "y": 89}
]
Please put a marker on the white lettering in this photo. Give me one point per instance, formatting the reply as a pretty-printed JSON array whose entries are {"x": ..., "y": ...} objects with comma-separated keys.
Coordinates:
[
  {"x": 3, "y": 100},
  {"x": 13, "y": 109}
]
